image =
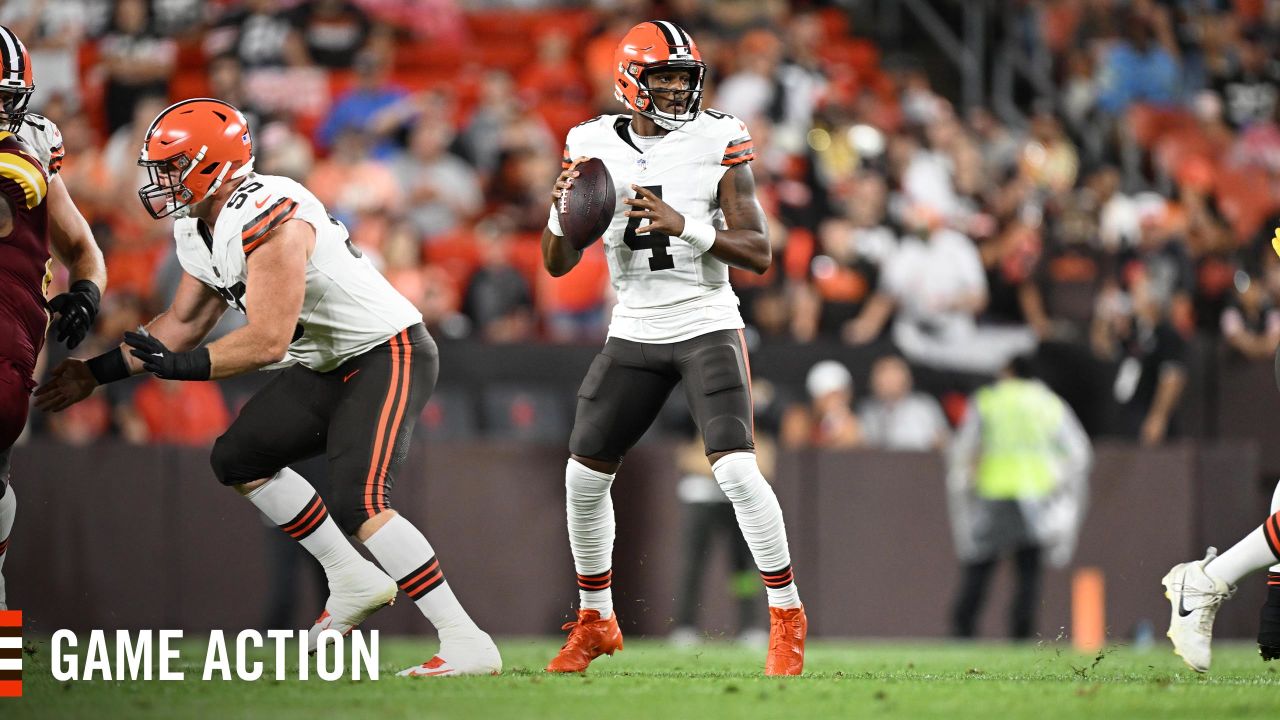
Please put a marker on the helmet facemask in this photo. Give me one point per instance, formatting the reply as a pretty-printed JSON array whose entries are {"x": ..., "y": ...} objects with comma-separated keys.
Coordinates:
[
  {"x": 165, "y": 193},
  {"x": 13, "y": 106},
  {"x": 645, "y": 103}
]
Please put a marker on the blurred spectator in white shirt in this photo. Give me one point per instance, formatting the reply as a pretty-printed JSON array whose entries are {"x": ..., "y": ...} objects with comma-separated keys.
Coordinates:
[
  {"x": 441, "y": 189},
  {"x": 827, "y": 420},
  {"x": 939, "y": 288},
  {"x": 897, "y": 418}
]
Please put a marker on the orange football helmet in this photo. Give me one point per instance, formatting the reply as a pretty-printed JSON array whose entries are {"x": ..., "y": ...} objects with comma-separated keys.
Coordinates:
[
  {"x": 656, "y": 45},
  {"x": 17, "y": 80},
  {"x": 190, "y": 148}
]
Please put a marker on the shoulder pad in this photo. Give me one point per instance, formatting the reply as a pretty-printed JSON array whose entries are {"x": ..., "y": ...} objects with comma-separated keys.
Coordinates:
[{"x": 46, "y": 138}]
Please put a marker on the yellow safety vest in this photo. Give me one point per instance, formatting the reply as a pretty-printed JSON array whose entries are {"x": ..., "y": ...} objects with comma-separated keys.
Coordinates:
[{"x": 1019, "y": 421}]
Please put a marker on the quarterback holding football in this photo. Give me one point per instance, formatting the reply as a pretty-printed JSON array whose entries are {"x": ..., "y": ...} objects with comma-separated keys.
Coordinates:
[{"x": 688, "y": 211}]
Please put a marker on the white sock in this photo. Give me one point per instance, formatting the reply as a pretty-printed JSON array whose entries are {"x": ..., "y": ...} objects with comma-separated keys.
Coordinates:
[
  {"x": 760, "y": 518},
  {"x": 1257, "y": 550},
  {"x": 292, "y": 504},
  {"x": 591, "y": 530},
  {"x": 407, "y": 556},
  {"x": 8, "y": 509},
  {"x": 1275, "y": 508}
]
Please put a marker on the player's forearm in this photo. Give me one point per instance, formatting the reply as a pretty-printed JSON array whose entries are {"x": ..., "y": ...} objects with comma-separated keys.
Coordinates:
[
  {"x": 71, "y": 241},
  {"x": 247, "y": 349},
  {"x": 176, "y": 334},
  {"x": 558, "y": 256},
  {"x": 71, "y": 238},
  {"x": 85, "y": 262},
  {"x": 745, "y": 249}
]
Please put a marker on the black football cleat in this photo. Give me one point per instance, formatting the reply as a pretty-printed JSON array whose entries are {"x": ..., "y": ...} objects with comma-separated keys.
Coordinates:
[{"x": 1269, "y": 622}]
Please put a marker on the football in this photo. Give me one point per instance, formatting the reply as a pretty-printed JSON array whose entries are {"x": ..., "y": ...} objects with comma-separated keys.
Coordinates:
[{"x": 587, "y": 208}]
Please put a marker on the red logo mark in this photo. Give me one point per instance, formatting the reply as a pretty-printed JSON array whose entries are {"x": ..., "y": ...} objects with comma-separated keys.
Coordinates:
[{"x": 264, "y": 202}]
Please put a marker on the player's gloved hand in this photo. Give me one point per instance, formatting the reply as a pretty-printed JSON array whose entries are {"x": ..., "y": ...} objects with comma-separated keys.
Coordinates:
[
  {"x": 163, "y": 362},
  {"x": 78, "y": 307}
]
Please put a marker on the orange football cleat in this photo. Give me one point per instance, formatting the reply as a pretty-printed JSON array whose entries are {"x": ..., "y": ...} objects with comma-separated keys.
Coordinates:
[
  {"x": 589, "y": 638},
  {"x": 787, "y": 630}
]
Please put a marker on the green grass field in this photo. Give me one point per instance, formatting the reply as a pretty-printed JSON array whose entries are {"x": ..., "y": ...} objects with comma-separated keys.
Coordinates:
[{"x": 651, "y": 680}]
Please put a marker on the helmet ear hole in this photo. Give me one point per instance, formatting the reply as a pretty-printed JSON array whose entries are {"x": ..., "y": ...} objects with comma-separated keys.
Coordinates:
[{"x": 209, "y": 169}]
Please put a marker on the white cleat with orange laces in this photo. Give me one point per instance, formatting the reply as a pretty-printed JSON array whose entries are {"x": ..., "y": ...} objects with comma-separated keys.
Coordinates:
[
  {"x": 473, "y": 656},
  {"x": 354, "y": 595}
]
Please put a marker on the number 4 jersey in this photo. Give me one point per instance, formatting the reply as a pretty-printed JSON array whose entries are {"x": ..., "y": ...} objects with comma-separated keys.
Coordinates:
[
  {"x": 349, "y": 307},
  {"x": 667, "y": 290}
]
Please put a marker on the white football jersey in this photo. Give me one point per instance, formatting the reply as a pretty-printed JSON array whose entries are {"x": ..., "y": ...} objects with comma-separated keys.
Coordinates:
[
  {"x": 46, "y": 139},
  {"x": 667, "y": 290},
  {"x": 349, "y": 307}
]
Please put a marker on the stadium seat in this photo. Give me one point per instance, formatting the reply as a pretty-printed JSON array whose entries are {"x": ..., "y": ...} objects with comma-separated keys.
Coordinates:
[
  {"x": 1246, "y": 198},
  {"x": 456, "y": 252}
]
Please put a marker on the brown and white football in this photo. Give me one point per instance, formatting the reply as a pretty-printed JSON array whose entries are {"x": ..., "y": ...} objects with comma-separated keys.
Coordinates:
[{"x": 587, "y": 207}]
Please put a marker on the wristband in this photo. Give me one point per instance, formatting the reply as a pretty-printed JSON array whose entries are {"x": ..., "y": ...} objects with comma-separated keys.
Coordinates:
[
  {"x": 191, "y": 365},
  {"x": 553, "y": 222},
  {"x": 89, "y": 288},
  {"x": 109, "y": 366},
  {"x": 700, "y": 235}
]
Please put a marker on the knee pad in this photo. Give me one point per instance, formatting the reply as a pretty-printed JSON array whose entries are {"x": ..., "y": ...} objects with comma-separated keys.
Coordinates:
[
  {"x": 227, "y": 464},
  {"x": 726, "y": 432},
  {"x": 586, "y": 440}
]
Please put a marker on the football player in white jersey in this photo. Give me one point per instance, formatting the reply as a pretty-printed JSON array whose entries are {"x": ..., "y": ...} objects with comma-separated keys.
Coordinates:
[
  {"x": 24, "y": 313},
  {"x": 360, "y": 369},
  {"x": 688, "y": 212}
]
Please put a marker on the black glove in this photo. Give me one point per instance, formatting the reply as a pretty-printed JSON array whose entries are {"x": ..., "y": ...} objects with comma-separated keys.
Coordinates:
[
  {"x": 78, "y": 308},
  {"x": 158, "y": 359}
]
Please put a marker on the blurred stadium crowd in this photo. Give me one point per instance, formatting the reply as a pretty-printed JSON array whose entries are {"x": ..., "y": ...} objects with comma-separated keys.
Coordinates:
[{"x": 1132, "y": 210}]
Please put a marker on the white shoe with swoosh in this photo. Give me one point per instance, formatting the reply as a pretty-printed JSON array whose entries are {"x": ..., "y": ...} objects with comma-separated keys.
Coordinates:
[
  {"x": 471, "y": 656},
  {"x": 1195, "y": 598}
]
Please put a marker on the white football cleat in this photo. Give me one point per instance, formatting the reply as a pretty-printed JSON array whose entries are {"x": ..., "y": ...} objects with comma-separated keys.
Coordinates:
[
  {"x": 473, "y": 656},
  {"x": 354, "y": 595},
  {"x": 1195, "y": 598}
]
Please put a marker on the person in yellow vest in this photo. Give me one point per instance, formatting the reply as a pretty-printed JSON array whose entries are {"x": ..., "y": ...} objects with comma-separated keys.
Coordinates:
[{"x": 1017, "y": 480}]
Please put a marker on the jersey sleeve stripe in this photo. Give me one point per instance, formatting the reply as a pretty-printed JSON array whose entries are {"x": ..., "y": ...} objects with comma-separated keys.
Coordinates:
[
  {"x": 746, "y": 154},
  {"x": 26, "y": 174},
  {"x": 253, "y": 224},
  {"x": 740, "y": 141},
  {"x": 257, "y": 234},
  {"x": 56, "y": 155},
  {"x": 566, "y": 161},
  {"x": 738, "y": 148}
]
